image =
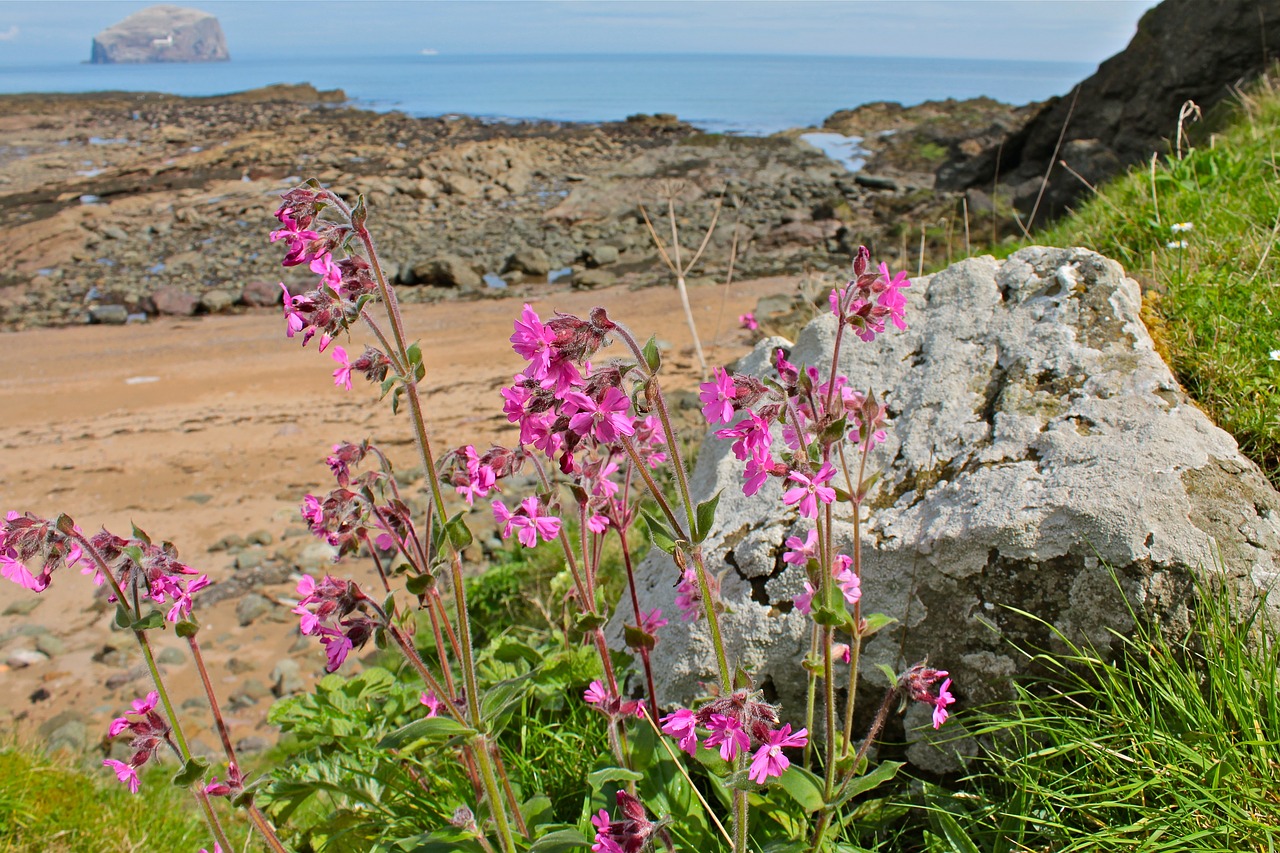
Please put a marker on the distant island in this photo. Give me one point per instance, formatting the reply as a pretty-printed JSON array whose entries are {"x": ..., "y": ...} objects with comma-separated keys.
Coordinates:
[{"x": 161, "y": 34}]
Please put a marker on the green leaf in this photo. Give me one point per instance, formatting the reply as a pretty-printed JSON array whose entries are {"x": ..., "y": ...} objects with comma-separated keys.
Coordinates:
[
  {"x": 884, "y": 772},
  {"x": 424, "y": 731},
  {"x": 561, "y": 839},
  {"x": 638, "y": 638},
  {"x": 187, "y": 628},
  {"x": 659, "y": 533},
  {"x": 459, "y": 533},
  {"x": 589, "y": 621},
  {"x": 957, "y": 839},
  {"x": 803, "y": 787},
  {"x": 834, "y": 431},
  {"x": 124, "y": 619},
  {"x": 873, "y": 622},
  {"x": 652, "y": 357},
  {"x": 415, "y": 353},
  {"x": 888, "y": 673},
  {"x": 153, "y": 619},
  {"x": 138, "y": 533},
  {"x": 65, "y": 524},
  {"x": 418, "y": 584},
  {"x": 867, "y": 484},
  {"x": 597, "y": 778},
  {"x": 705, "y": 517},
  {"x": 191, "y": 772}
]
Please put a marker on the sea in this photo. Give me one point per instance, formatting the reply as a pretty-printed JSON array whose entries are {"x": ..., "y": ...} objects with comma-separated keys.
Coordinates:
[{"x": 718, "y": 93}]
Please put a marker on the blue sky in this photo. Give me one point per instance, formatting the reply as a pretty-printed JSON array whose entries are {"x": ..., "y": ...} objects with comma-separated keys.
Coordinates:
[{"x": 1073, "y": 30}]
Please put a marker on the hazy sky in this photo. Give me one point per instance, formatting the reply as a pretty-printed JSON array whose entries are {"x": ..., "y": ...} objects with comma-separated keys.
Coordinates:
[{"x": 33, "y": 31}]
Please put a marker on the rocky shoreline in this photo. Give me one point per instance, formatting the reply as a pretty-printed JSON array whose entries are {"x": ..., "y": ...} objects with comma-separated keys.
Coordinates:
[{"x": 120, "y": 206}]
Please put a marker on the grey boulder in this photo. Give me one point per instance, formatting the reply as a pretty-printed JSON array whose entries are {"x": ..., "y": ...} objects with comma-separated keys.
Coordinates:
[{"x": 1041, "y": 459}]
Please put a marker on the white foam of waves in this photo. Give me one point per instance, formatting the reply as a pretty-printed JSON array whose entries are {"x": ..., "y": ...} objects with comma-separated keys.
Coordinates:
[{"x": 845, "y": 150}]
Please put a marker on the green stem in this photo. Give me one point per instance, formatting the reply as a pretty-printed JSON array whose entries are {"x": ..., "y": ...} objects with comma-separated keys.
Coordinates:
[{"x": 211, "y": 817}]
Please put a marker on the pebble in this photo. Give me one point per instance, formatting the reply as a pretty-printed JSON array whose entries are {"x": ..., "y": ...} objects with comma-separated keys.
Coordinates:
[
  {"x": 286, "y": 678},
  {"x": 171, "y": 657},
  {"x": 22, "y": 658},
  {"x": 250, "y": 608},
  {"x": 50, "y": 645},
  {"x": 22, "y": 606}
]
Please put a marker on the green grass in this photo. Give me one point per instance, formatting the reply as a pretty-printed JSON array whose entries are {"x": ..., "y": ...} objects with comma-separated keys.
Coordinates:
[
  {"x": 46, "y": 806},
  {"x": 1165, "y": 745},
  {"x": 1214, "y": 306}
]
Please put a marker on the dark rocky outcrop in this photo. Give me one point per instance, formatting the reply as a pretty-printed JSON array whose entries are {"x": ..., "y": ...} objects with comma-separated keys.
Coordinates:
[
  {"x": 161, "y": 34},
  {"x": 1183, "y": 50}
]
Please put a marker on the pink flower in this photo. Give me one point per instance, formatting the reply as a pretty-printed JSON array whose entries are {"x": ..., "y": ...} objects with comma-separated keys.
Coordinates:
[
  {"x": 126, "y": 773},
  {"x": 604, "y": 843},
  {"x": 682, "y": 725},
  {"x": 801, "y": 552},
  {"x": 606, "y": 420},
  {"x": 19, "y": 574},
  {"x": 940, "y": 704},
  {"x": 892, "y": 298},
  {"x": 530, "y": 523},
  {"x": 533, "y": 340},
  {"x": 716, "y": 397},
  {"x": 146, "y": 704},
  {"x": 757, "y": 474},
  {"x": 432, "y": 702},
  {"x": 323, "y": 266},
  {"x": 598, "y": 524},
  {"x": 804, "y": 601},
  {"x": 182, "y": 601},
  {"x": 596, "y": 694},
  {"x": 848, "y": 582},
  {"x": 480, "y": 480},
  {"x": 342, "y": 376},
  {"x": 811, "y": 491},
  {"x": 337, "y": 646},
  {"x": 650, "y": 622},
  {"x": 294, "y": 321},
  {"x": 769, "y": 759},
  {"x": 503, "y": 516},
  {"x": 752, "y": 434},
  {"x": 727, "y": 734},
  {"x": 786, "y": 370},
  {"x": 748, "y": 321}
]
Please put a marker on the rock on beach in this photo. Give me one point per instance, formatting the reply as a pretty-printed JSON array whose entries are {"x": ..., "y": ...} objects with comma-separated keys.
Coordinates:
[{"x": 161, "y": 34}]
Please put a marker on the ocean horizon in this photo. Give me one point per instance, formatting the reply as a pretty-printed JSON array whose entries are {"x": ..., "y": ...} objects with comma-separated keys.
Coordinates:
[{"x": 720, "y": 93}]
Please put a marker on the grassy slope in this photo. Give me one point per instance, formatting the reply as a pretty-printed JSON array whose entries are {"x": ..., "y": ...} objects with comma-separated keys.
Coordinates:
[
  {"x": 1213, "y": 304},
  {"x": 45, "y": 806}
]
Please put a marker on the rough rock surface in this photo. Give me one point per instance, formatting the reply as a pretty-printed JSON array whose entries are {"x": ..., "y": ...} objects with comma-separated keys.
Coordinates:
[
  {"x": 1035, "y": 439},
  {"x": 1183, "y": 50},
  {"x": 161, "y": 34}
]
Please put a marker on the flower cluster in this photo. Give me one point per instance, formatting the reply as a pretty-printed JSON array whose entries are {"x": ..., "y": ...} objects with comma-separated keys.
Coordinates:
[
  {"x": 335, "y": 611},
  {"x": 26, "y": 540},
  {"x": 230, "y": 787},
  {"x": 344, "y": 284},
  {"x": 734, "y": 724},
  {"x": 629, "y": 834},
  {"x": 869, "y": 299},
  {"x": 150, "y": 731},
  {"x": 350, "y": 515},
  {"x": 921, "y": 684},
  {"x": 599, "y": 696},
  {"x": 561, "y": 404}
]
